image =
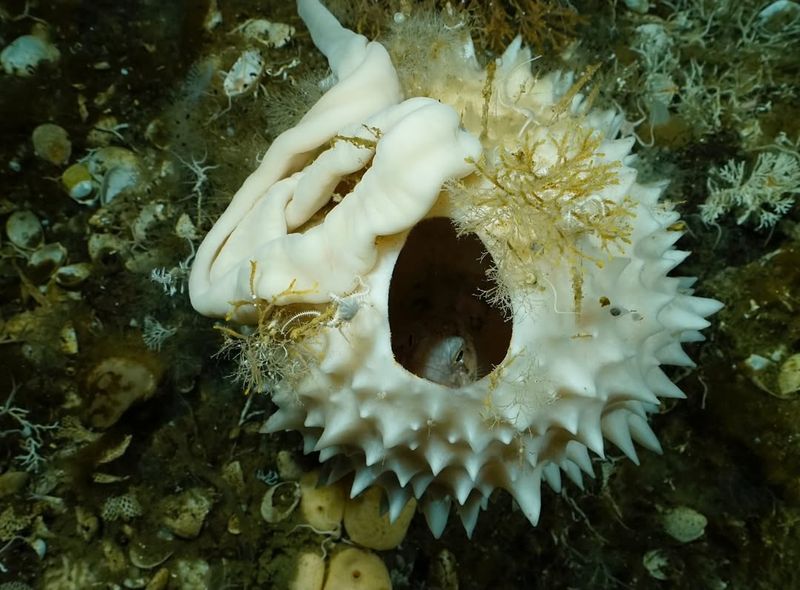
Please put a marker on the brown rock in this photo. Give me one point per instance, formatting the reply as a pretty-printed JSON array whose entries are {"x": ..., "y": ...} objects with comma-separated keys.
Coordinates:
[{"x": 115, "y": 384}]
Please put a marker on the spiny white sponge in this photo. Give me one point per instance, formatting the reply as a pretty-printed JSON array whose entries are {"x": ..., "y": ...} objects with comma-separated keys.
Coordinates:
[{"x": 382, "y": 349}]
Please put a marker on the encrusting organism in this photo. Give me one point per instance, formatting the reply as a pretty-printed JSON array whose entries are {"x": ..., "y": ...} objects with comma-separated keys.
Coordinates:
[
  {"x": 761, "y": 195},
  {"x": 14, "y": 422}
]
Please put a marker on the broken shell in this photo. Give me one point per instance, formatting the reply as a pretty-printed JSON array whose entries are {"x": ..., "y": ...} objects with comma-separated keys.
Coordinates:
[
  {"x": 789, "y": 376},
  {"x": 768, "y": 373},
  {"x": 137, "y": 582},
  {"x": 23, "y": 55},
  {"x": 185, "y": 228},
  {"x": 114, "y": 557},
  {"x": 51, "y": 143},
  {"x": 186, "y": 512},
  {"x": 73, "y": 275},
  {"x": 79, "y": 185},
  {"x": 24, "y": 230},
  {"x": 159, "y": 581},
  {"x": 779, "y": 14},
  {"x": 235, "y": 525},
  {"x": 233, "y": 475},
  {"x": 119, "y": 170},
  {"x": 116, "y": 451},
  {"x": 39, "y": 546},
  {"x": 150, "y": 215},
  {"x": 655, "y": 561},
  {"x": 68, "y": 339},
  {"x": 49, "y": 257},
  {"x": 104, "y": 478},
  {"x": 115, "y": 181},
  {"x": 7, "y": 206},
  {"x": 213, "y": 16},
  {"x": 148, "y": 556},
  {"x": 105, "y": 245},
  {"x": 191, "y": 573},
  {"x": 157, "y": 134},
  {"x": 280, "y": 501},
  {"x": 640, "y": 6}
]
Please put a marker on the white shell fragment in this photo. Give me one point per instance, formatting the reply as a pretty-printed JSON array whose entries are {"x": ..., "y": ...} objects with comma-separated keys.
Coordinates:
[
  {"x": 24, "y": 55},
  {"x": 116, "y": 169},
  {"x": 280, "y": 500},
  {"x": 78, "y": 182},
  {"x": 244, "y": 75}
]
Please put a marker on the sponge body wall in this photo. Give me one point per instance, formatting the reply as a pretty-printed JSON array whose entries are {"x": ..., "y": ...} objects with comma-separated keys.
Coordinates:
[{"x": 581, "y": 254}]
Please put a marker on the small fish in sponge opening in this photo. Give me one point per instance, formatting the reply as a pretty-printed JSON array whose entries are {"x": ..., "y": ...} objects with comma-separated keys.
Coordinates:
[{"x": 447, "y": 276}]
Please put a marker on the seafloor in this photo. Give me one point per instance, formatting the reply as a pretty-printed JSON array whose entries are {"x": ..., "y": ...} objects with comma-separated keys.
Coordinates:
[{"x": 130, "y": 459}]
